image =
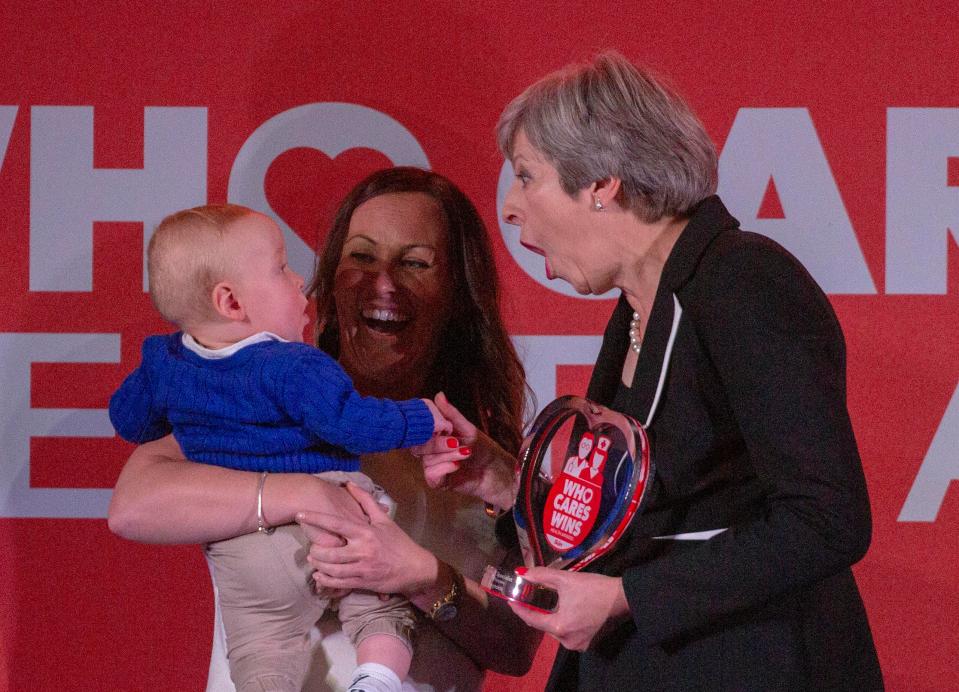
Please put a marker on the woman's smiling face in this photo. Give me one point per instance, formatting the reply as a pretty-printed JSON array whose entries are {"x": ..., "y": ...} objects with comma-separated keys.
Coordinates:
[{"x": 392, "y": 292}]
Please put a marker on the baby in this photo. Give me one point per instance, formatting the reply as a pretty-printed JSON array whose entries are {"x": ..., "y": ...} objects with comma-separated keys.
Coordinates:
[{"x": 238, "y": 388}]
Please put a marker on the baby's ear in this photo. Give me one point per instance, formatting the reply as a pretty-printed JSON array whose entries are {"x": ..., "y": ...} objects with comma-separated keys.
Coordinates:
[{"x": 226, "y": 303}]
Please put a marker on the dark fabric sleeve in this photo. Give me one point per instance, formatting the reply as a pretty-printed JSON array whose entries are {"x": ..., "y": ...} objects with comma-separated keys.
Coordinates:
[
  {"x": 777, "y": 348},
  {"x": 132, "y": 410},
  {"x": 319, "y": 395}
]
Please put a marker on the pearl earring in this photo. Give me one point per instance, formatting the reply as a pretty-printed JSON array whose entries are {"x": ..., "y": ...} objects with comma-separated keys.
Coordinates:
[{"x": 597, "y": 204}]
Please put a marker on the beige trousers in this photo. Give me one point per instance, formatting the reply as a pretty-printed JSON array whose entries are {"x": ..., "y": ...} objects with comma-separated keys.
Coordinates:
[{"x": 269, "y": 605}]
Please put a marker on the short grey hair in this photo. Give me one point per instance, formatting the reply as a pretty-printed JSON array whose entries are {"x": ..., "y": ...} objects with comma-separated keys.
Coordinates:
[{"x": 609, "y": 118}]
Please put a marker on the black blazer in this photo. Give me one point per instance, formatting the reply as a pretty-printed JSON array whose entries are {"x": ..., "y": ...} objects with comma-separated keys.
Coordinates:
[{"x": 751, "y": 434}]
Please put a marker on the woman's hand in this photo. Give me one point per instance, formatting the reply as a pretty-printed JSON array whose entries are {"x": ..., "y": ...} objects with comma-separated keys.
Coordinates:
[
  {"x": 309, "y": 494},
  {"x": 587, "y": 602},
  {"x": 371, "y": 552},
  {"x": 469, "y": 462}
]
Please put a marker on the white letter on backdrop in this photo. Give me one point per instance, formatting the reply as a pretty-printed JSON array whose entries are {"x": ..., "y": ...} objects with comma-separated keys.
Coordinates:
[
  {"x": 67, "y": 194},
  {"x": 921, "y": 208},
  {"x": 939, "y": 468},
  {"x": 8, "y": 114},
  {"x": 782, "y": 143},
  {"x": 328, "y": 127},
  {"x": 21, "y": 422},
  {"x": 541, "y": 355}
]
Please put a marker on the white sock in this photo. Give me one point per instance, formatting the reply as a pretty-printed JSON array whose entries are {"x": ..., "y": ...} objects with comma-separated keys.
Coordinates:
[{"x": 374, "y": 677}]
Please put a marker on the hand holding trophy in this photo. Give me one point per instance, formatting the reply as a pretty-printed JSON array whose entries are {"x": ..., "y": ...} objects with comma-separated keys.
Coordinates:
[{"x": 582, "y": 476}]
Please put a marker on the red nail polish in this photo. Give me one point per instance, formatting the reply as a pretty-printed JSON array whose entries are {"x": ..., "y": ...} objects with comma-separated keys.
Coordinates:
[
  {"x": 452, "y": 442},
  {"x": 465, "y": 451},
  {"x": 520, "y": 571}
]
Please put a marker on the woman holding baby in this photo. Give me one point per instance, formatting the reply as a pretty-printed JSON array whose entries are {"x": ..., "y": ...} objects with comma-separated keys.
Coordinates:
[{"x": 407, "y": 301}]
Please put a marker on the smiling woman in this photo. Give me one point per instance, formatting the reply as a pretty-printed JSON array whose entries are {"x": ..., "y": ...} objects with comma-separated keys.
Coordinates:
[
  {"x": 406, "y": 283},
  {"x": 390, "y": 288}
]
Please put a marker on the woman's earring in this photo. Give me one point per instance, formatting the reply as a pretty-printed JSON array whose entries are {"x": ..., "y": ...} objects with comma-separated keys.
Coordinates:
[{"x": 597, "y": 204}]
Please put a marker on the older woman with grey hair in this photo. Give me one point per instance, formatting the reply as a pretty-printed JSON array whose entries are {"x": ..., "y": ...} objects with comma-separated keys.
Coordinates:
[{"x": 737, "y": 574}]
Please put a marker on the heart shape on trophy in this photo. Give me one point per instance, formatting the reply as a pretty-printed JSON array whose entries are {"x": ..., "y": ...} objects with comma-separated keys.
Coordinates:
[
  {"x": 304, "y": 186},
  {"x": 584, "y": 475}
]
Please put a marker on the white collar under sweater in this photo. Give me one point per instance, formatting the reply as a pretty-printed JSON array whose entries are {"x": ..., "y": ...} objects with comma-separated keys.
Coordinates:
[{"x": 227, "y": 351}]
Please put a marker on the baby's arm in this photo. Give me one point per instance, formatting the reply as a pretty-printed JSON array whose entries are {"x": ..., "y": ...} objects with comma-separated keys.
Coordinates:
[
  {"x": 320, "y": 396},
  {"x": 132, "y": 412}
]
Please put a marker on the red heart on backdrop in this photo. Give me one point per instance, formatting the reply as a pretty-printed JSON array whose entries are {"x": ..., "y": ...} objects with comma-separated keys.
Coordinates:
[{"x": 304, "y": 186}]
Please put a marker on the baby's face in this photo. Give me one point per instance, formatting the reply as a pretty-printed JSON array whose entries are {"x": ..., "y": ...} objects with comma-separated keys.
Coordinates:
[{"x": 269, "y": 290}]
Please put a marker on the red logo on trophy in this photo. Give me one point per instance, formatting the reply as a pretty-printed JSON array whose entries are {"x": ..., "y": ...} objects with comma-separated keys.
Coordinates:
[{"x": 574, "y": 500}]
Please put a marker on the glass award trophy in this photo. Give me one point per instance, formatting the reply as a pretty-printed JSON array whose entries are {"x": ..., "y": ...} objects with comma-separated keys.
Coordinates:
[{"x": 582, "y": 476}]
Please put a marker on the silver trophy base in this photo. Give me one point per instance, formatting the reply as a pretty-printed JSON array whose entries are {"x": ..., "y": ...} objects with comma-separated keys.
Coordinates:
[{"x": 513, "y": 587}]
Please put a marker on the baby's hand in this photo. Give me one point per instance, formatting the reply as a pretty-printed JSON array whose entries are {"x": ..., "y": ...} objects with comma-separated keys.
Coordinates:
[{"x": 441, "y": 425}]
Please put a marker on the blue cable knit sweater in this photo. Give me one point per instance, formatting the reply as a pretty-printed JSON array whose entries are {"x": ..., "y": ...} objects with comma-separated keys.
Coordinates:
[{"x": 271, "y": 406}]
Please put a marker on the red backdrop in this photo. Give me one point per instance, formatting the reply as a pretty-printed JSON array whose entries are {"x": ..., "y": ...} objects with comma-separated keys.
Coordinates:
[{"x": 839, "y": 130}]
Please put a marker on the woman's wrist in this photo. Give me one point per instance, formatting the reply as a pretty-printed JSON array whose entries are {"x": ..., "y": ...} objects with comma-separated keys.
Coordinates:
[
  {"x": 501, "y": 501},
  {"x": 429, "y": 580},
  {"x": 285, "y": 494},
  {"x": 620, "y": 604},
  {"x": 498, "y": 485}
]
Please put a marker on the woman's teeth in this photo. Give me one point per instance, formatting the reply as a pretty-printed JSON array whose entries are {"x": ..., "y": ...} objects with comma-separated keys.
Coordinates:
[
  {"x": 385, "y": 321},
  {"x": 384, "y": 315}
]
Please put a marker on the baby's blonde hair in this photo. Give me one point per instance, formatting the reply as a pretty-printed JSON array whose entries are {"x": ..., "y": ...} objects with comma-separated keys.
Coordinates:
[{"x": 186, "y": 259}]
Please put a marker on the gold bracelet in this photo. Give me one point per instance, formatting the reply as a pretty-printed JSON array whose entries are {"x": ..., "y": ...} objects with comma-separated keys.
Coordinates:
[{"x": 261, "y": 525}]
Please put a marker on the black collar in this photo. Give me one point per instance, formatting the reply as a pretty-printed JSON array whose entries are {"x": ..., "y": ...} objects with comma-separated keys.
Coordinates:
[{"x": 707, "y": 220}]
